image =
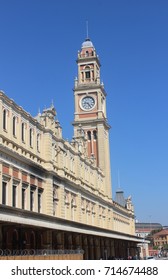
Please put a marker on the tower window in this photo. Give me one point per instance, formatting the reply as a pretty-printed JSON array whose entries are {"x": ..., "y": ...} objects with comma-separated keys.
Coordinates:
[
  {"x": 95, "y": 135},
  {"x": 87, "y": 74},
  {"x": 89, "y": 135}
]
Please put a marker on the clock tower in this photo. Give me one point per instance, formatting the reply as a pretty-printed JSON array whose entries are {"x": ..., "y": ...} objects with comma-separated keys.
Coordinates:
[{"x": 90, "y": 110}]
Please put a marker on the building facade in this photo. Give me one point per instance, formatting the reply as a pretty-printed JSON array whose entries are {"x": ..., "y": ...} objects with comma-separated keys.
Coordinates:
[
  {"x": 54, "y": 193},
  {"x": 160, "y": 239},
  {"x": 143, "y": 230}
]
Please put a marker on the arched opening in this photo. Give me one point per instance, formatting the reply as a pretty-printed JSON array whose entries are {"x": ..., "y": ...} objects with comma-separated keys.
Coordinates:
[
  {"x": 95, "y": 135},
  {"x": 32, "y": 240},
  {"x": 15, "y": 240},
  {"x": 87, "y": 72}
]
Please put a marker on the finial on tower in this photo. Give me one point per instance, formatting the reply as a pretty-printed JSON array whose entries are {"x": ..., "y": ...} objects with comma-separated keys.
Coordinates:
[{"x": 87, "y": 43}]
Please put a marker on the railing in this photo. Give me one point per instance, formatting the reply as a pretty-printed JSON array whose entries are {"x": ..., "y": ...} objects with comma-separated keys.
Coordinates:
[
  {"x": 90, "y": 54},
  {"x": 43, "y": 252}
]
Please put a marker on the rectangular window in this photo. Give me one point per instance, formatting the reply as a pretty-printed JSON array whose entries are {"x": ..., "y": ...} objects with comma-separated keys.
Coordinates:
[
  {"x": 31, "y": 137},
  {"x": 4, "y": 187},
  {"x": 14, "y": 193},
  {"x": 4, "y": 119},
  {"x": 87, "y": 74},
  {"x": 14, "y": 126},
  {"x": 39, "y": 201},
  {"x": 31, "y": 199},
  {"x": 23, "y": 197},
  {"x": 23, "y": 132}
]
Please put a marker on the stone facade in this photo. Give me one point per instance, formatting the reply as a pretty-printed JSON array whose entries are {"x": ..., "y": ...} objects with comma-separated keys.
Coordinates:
[
  {"x": 42, "y": 173},
  {"x": 160, "y": 239}
]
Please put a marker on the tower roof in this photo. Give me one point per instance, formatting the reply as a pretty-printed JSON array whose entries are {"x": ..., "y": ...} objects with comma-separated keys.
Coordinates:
[
  {"x": 119, "y": 198},
  {"x": 87, "y": 43}
]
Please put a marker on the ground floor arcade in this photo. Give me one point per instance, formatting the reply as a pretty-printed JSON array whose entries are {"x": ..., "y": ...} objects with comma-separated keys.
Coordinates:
[{"x": 21, "y": 231}]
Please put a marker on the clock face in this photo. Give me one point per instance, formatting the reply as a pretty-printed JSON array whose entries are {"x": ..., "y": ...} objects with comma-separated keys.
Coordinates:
[{"x": 87, "y": 103}]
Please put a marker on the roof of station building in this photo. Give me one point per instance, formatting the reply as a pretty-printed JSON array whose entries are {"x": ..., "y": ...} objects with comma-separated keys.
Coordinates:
[{"x": 148, "y": 225}]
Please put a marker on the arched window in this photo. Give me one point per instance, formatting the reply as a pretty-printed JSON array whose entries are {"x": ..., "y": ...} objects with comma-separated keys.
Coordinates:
[
  {"x": 39, "y": 200},
  {"x": 32, "y": 192},
  {"x": 4, "y": 119},
  {"x": 14, "y": 126},
  {"x": 15, "y": 243},
  {"x": 89, "y": 135},
  {"x": 87, "y": 72},
  {"x": 4, "y": 193},
  {"x": 31, "y": 137},
  {"x": 32, "y": 240},
  {"x": 23, "y": 132},
  {"x": 14, "y": 196},
  {"x": 38, "y": 142},
  {"x": 95, "y": 135}
]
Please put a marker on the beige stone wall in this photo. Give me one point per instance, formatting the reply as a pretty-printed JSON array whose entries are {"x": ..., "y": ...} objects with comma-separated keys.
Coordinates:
[{"x": 71, "y": 187}]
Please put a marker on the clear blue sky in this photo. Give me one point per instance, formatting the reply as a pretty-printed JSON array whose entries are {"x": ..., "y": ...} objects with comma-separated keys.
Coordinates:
[{"x": 39, "y": 40}]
